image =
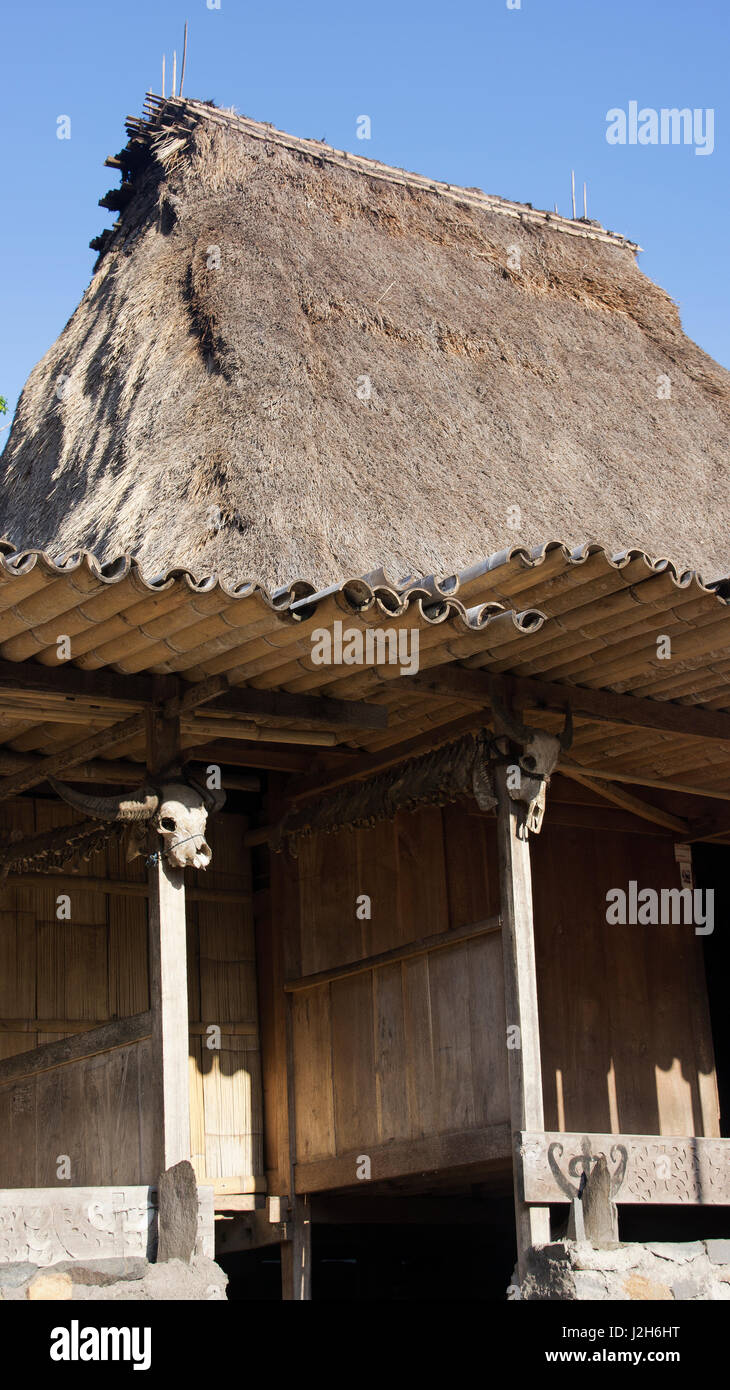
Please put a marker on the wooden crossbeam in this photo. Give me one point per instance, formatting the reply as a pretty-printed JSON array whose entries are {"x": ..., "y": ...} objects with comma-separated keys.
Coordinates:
[
  {"x": 119, "y": 773},
  {"x": 117, "y": 887},
  {"x": 321, "y": 709},
  {"x": 220, "y": 727},
  {"x": 620, "y": 797},
  {"x": 365, "y": 765},
  {"x": 134, "y": 727},
  {"x": 67, "y": 685},
  {"x": 642, "y": 779},
  {"x": 38, "y": 771},
  {"x": 72, "y": 683},
  {"x": 663, "y": 715},
  {"x": 181, "y": 707},
  {"x": 424, "y": 946}
]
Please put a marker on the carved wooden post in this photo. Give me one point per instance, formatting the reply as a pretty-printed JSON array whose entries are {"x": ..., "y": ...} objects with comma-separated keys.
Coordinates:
[
  {"x": 168, "y": 977},
  {"x": 520, "y": 997}
]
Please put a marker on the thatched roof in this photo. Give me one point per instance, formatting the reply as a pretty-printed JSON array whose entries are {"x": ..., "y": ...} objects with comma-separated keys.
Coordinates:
[{"x": 219, "y": 417}]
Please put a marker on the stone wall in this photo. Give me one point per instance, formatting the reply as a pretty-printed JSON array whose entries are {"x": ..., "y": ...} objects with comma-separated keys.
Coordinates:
[
  {"x": 577, "y": 1270},
  {"x": 114, "y": 1280}
]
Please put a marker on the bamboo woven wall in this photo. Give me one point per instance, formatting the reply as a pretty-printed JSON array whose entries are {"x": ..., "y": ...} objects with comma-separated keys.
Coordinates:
[
  {"x": 62, "y": 977},
  {"x": 225, "y": 1083}
]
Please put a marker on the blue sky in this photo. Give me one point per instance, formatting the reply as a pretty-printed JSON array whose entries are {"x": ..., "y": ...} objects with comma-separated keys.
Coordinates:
[{"x": 508, "y": 100}]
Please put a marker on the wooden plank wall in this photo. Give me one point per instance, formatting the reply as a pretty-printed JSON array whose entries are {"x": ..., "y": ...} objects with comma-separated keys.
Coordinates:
[
  {"x": 409, "y": 1049},
  {"x": 78, "y": 1124},
  {"x": 624, "y": 1024},
  {"x": 83, "y": 971},
  {"x": 58, "y": 978},
  {"x": 417, "y": 1048}
]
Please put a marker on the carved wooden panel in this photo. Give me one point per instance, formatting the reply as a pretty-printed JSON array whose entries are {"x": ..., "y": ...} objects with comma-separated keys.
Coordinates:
[{"x": 644, "y": 1168}]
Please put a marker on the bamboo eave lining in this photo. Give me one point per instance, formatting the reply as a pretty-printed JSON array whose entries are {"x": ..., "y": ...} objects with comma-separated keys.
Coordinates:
[{"x": 577, "y": 617}]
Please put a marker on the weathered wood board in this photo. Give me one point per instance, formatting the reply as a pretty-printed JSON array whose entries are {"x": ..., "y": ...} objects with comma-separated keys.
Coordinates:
[
  {"x": 411, "y": 1048},
  {"x": 624, "y": 1027},
  {"x": 417, "y": 1048},
  {"x": 61, "y": 976}
]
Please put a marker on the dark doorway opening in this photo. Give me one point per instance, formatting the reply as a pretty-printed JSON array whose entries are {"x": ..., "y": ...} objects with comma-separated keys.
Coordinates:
[{"x": 372, "y": 1259}]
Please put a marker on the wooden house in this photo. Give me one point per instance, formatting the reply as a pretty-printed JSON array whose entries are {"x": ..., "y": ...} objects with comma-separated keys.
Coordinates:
[{"x": 465, "y": 923}]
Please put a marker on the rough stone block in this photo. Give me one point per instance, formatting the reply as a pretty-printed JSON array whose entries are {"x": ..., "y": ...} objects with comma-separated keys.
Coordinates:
[
  {"x": 639, "y": 1289},
  {"x": 616, "y": 1259},
  {"x": 11, "y": 1276},
  {"x": 678, "y": 1253},
  {"x": 175, "y": 1280},
  {"x": 600, "y": 1214},
  {"x": 50, "y": 1288},
  {"x": 718, "y": 1251},
  {"x": 99, "y": 1272},
  {"x": 686, "y": 1289},
  {"x": 177, "y": 1213},
  {"x": 590, "y": 1286}
]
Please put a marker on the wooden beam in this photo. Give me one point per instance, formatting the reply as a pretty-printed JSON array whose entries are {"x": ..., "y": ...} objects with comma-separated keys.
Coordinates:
[
  {"x": 100, "y": 770},
  {"x": 471, "y": 1148},
  {"x": 72, "y": 683},
  {"x": 218, "y": 726},
  {"x": 296, "y": 1254},
  {"x": 320, "y": 709},
  {"x": 642, "y": 779},
  {"x": 168, "y": 977},
  {"x": 85, "y": 1025},
  {"x": 626, "y": 800},
  {"x": 365, "y": 765},
  {"x": 266, "y": 756},
  {"x": 134, "y": 727},
  {"x": 422, "y": 947},
  {"x": 119, "y": 1032},
  {"x": 68, "y": 684},
  {"x": 520, "y": 998},
  {"x": 169, "y": 1000},
  {"x": 86, "y": 748},
  {"x": 126, "y": 888},
  {"x": 663, "y": 715},
  {"x": 118, "y": 773}
]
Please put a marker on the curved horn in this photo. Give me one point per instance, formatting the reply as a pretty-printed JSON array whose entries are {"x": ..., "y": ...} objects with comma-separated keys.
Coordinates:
[
  {"x": 213, "y": 799},
  {"x": 519, "y": 732},
  {"x": 136, "y": 807},
  {"x": 566, "y": 738}
]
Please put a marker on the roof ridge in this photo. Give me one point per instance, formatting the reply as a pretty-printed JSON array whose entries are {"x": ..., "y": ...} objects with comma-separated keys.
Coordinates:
[{"x": 174, "y": 113}]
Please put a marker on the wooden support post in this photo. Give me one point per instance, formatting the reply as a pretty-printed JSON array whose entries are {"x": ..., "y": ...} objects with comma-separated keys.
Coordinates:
[
  {"x": 168, "y": 975},
  {"x": 520, "y": 997},
  {"x": 296, "y": 1255}
]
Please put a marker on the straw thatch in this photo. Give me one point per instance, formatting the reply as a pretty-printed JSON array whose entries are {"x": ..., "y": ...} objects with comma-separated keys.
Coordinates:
[{"x": 219, "y": 418}]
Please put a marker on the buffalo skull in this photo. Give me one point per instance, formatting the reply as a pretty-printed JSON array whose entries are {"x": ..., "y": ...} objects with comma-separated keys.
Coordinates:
[
  {"x": 178, "y": 811},
  {"x": 536, "y": 763}
]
